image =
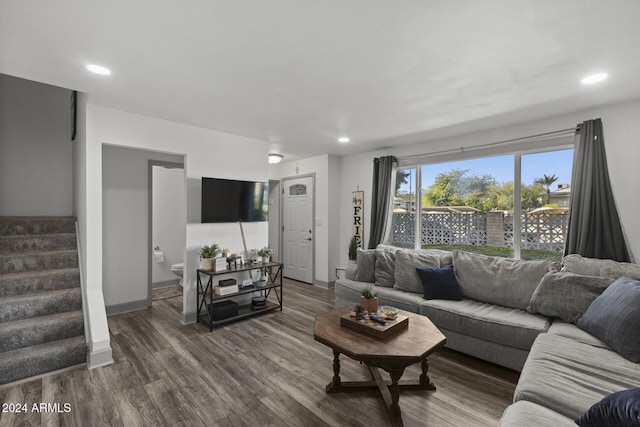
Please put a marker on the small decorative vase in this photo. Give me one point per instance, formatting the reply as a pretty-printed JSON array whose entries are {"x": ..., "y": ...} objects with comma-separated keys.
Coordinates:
[
  {"x": 371, "y": 305},
  {"x": 265, "y": 259}
]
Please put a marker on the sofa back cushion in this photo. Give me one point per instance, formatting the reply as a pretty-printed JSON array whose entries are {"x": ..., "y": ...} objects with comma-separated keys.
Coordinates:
[
  {"x": 385, "y": 267},
  {"x": 406, "y": 276},
  {"x": 503, "y": 281},
  {"x": 566, "y": 295},
  {"x": 578, "y": 264},
  {"x": 366, "y": 261}
]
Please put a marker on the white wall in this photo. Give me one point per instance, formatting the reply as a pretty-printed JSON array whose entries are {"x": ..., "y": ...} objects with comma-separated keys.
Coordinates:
[
  {"x": 168, "y": 221},
  {"x": 125, "y": 226},
  {"x": 207, "y": 153},
  {"x": 274, "y": 218},
  {"x": 36, "y": 172},
  {"x": 621, "y": 141}
]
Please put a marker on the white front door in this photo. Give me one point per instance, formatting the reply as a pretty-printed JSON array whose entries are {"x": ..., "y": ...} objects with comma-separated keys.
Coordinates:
[{"x": 297, "y": 228}]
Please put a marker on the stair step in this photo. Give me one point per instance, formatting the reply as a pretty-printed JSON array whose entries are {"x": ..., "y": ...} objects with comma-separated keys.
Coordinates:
[
  {"x": 34, "y": 281},
  {"x": 35, "y": 360},
  {"x": 37, "y": 242},
  {"x": 39, "y": 304},
  {"x": 40, "y": 330},
  {"x": 38, "y": 261},
  {"x": 21, "y": 225}
]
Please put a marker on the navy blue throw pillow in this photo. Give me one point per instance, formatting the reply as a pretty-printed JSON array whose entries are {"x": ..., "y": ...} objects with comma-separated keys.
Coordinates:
[
  {"x": 614, "y": 318},
  {"x": 439, "y": 283},
  {"x": 617, "y": 409}
]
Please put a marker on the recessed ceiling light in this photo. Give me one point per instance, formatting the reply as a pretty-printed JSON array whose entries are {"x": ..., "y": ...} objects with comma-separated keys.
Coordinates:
[
  {"x": 594, "y": 78},
  {"x": 98, "y": 69},
  {"x": 343, "y": 140}
]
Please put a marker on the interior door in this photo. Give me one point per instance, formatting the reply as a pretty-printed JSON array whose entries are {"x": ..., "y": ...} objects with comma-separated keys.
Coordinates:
[{"x": 297, "y": 227}]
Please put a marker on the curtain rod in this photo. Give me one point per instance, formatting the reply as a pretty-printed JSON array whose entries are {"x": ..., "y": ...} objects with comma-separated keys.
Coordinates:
[{"x": 541, "y": 136}]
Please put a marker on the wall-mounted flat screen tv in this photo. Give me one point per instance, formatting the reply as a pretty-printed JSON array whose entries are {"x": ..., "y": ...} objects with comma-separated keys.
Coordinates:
[{"x": 227, "y": 200}]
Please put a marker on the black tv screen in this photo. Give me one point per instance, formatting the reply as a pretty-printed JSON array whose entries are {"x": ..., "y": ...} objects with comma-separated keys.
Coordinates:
[{"x": 228, "y": 200}]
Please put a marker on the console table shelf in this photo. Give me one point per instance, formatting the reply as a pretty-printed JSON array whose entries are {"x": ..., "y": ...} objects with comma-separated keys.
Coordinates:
[{"x": 206, "y": 295}]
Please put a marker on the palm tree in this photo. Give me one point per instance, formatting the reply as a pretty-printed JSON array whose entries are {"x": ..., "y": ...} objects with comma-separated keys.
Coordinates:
[{"x": 546, "y": 181}]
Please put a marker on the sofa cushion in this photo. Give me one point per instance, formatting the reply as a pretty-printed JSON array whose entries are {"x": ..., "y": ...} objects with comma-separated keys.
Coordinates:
[
  {"x": 439, "y": 283},
  {"x": 503, "y": 281},
  {"x": 569, "y": 376},
  {"x": 350, "y": 290},
  {"x": 385, "y": 267},
  {"x": 617, "y": 409},
  {"x": 502, "y": 325},
  {"x": 614, "y": 317},
  {"x": 575, "y": 263},
  {"x": 622, "y": 269},
  {"x": 531, "y": 414},
  {"x": 406, "y": 276},
  {"x": 366, "y": 261},
  {"x": 566, "y": 295},
  {"x": 569, "y": 330}
]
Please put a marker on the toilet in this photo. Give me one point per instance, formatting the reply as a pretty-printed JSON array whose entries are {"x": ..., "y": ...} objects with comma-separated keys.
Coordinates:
[{"x": 177, "y": 270}]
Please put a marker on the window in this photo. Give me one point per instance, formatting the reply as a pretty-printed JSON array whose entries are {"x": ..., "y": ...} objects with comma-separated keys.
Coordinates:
[{"x": 511, "y": 205}]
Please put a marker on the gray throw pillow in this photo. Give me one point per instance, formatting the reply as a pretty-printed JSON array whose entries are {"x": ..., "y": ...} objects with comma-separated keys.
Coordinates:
[
  {"x": 366, "y": 262},
  {"x": 566, "y": 295},
  {"x": 614, "y": 318},
  {"x": 385, "y": 267},
  {"x": 503, "y": 281},
  {"x": 406, "y": 276}
]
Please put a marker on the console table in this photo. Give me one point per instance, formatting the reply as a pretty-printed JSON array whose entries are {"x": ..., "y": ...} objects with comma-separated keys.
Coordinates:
[{"x": 206, "y": 295}]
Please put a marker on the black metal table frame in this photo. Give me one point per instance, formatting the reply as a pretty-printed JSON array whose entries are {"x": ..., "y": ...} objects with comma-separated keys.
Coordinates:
[{"x": 202, "y": 302}]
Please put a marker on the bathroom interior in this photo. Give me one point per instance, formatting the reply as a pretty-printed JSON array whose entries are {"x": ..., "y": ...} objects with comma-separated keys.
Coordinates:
[{"x": 168, "y": 225}]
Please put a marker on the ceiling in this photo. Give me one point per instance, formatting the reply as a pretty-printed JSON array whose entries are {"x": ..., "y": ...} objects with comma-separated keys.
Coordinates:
[{"x": 300, "y": 73}]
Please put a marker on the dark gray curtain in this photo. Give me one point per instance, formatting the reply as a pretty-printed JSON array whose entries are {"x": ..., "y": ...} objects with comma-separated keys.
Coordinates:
[
  {"x": 380, "y": 197},
  {"x": 594, "y": 226}
]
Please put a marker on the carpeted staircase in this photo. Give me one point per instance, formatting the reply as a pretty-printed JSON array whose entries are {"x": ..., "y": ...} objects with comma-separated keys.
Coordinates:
[{"x": 41, "y": 320}]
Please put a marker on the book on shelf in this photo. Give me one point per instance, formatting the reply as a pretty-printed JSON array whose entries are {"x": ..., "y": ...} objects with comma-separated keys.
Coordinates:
[{"x": 226, "y": 290}]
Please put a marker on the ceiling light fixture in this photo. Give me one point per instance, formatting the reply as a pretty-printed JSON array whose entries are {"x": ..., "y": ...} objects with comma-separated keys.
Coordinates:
[
  {"x": 343, "y": 139},
  {"x": 275, "y": 158},
  {"x": 99, "y": 69},
  {"x": 594, "y": 78}
]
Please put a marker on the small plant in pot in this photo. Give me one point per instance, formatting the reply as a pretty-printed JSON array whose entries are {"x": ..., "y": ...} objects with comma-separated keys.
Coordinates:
[
  {"x": 353, "y": 249},
  {"x": 265, "y": 253},
  {"x": 360, "y": 312},
  {"x": 369, "y": 299},
  {"x": 207, "y": 254}
]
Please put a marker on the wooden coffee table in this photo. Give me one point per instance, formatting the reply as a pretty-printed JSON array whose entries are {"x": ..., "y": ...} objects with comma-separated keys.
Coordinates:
[{"x": 393, "y": 354}]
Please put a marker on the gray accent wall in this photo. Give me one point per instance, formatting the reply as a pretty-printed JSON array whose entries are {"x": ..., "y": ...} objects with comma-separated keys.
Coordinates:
[
  {"x": 125, "y": 230},
  {"x": 36, "y": 160}
]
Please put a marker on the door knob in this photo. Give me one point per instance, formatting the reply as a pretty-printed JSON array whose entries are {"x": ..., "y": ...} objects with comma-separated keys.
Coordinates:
[{"x": 309, "y": 238}]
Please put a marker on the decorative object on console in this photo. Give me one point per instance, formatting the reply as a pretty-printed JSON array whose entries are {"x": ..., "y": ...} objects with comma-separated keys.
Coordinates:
[
  {"x": 265, "y": 253},
  {"x": 207, "y": 254},
  {"x": 369, "y": 300}
]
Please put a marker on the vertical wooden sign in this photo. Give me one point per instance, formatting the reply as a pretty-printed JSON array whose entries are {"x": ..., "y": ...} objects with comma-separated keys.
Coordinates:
[{"x": 357, "y": 227}]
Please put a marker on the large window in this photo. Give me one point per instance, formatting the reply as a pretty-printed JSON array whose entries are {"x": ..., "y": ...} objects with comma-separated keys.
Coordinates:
[{"x": 511, "y": 205}]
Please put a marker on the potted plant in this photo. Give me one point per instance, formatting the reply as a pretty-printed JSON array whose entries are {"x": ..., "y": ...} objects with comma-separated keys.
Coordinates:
[
  {"x": 265, "y": 253},
  {"x": 369, "y": 299},
  {"x": 360, "y": 312},
  {"x": 207, "y": 254},
  {"x": 353, "y": 249}
]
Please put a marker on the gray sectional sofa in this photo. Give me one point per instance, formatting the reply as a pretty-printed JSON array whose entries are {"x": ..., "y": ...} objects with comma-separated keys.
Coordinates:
[{"x": 518, "y": 314}]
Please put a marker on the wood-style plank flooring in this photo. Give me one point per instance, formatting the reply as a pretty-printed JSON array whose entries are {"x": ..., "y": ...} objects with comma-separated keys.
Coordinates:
[{"x": 265, "y": 371}]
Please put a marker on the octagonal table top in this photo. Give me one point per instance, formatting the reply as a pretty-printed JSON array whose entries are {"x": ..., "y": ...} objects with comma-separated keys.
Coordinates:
[{"x": 420, "y": 339}]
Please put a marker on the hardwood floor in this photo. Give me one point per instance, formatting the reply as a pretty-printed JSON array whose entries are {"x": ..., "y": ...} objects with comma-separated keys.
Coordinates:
[{"x": 265, "y": 371}]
